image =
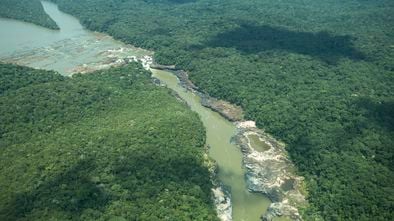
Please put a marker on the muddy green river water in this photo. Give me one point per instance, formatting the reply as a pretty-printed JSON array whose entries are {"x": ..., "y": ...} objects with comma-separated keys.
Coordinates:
[
  {"x": 246, "y": 206},
  {"x": 74, "y": 49},
  {"x": 70, "y": 49}
]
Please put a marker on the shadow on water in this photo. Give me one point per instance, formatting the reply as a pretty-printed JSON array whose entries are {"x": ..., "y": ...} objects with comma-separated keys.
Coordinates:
[{"x": 252, "y": 39}]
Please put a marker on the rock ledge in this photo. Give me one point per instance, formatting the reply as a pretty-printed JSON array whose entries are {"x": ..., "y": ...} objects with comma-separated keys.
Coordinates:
[{"x": 269, "y": 171}]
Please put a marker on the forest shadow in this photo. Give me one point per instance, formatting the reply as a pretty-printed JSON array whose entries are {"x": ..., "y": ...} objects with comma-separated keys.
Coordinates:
[
  {"x": 252, "y": 39},
  {"x": 382, "y": 114},
  {"x": 71, "y": 192},
  {"x": 147, "y": 173}
]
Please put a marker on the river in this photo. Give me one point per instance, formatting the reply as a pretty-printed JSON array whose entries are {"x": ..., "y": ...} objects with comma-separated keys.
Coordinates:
[
  {"x": 74, "y": 49},
  {"x": 70, "y": 49}
]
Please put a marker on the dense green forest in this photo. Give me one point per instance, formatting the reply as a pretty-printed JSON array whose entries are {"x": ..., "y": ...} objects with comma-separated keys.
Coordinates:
[
  {"x": 28, "y": 11},
  {"x": 317, "y": 74},
  {"x": 104, "y": 146}
]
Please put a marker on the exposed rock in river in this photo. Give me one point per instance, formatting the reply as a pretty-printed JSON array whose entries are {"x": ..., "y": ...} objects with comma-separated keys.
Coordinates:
[
  {"x": 220, "y": 193},
  {"x": 227, "y": 110},
  {"x": 114, "y": 58},
  {"x": 163, "y": 67},
  {"x": 185, "y": 82},
  {"x": 222, "y": 202},
  {"x": 269, "y": 171}
]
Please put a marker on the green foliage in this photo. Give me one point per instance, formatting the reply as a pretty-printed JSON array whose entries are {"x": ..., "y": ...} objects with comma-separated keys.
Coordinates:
[
  {"x": 28, "y": 11},
  {"x": 317, "y": 74},
  {"x": 103, "y": 146}
]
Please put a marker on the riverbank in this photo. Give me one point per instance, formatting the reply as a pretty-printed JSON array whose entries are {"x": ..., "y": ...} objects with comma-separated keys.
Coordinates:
[
  {"x": 268, "y": 172},
  {"x": 242, "y": 205},
  {"x": 220, "y": 193},
  {"x": 319, "y": 82},
  {"x": 229, "y": 111},
  {"x": 268, "y": 168},
  {"x": 232, "y": 197}
]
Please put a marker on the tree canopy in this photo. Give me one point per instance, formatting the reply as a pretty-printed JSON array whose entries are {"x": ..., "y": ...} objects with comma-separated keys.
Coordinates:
[
  {"x": 103, "y": 146},
  {"x": 316, "y": 74},
  {"x": 28, "y": 11}
]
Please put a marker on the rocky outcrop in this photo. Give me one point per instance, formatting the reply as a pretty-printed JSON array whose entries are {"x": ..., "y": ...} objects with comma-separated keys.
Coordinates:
[
  {"x": 120, "y": 56},
  {"x": 226, "y": 109},
  {"x": 269, "y": 171},
  {"x": 185, "y": 82},
  {"x": 163, "y": 67},
  {"x": 281, "y": 209},
  {"x": 222, "y": 202},
  {"x": 221, "y": 194},
  {"x": 229, "y": 111}
]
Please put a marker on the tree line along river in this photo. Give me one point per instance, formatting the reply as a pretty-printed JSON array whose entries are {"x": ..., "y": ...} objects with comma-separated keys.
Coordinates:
[{"x": 73, "y": 48}]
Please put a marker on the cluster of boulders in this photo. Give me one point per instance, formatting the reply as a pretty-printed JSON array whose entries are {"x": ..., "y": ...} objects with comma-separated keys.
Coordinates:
[
  {"x": 270, "y": 172},
  {"x": 222, "y": 202}
]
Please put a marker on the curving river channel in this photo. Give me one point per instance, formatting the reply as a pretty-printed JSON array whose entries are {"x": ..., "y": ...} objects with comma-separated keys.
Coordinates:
[{"x": 74, "y": 49}]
